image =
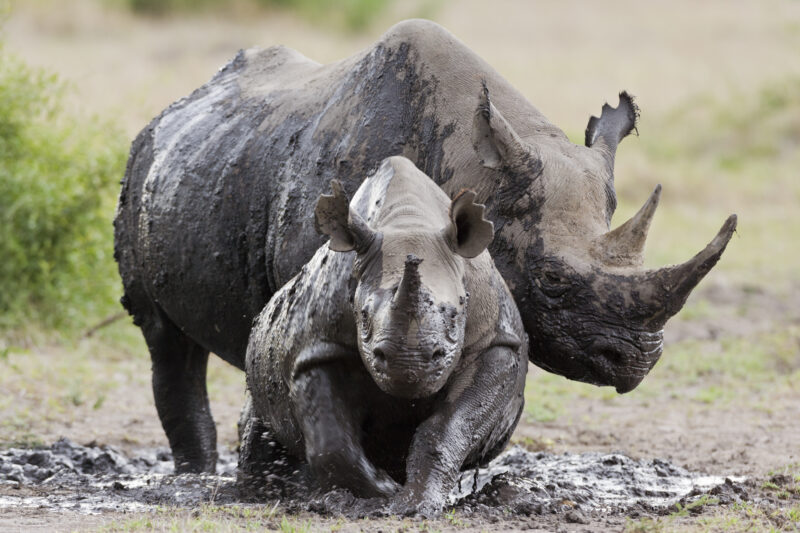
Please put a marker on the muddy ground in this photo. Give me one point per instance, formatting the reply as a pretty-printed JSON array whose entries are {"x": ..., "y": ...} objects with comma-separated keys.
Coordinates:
[
  {"x": 576, "y": 488},
  {"x": 601, "y": 462}
]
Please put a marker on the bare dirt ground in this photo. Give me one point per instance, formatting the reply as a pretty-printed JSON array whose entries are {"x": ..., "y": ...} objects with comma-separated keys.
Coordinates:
[{"x": 723, "y": 400}]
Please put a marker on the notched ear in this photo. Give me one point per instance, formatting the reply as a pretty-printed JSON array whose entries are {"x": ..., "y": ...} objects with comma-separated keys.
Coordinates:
[
  {"x": 334, "y": 218},
  {"x": 614, "y": 124},
  {"x": 494, "y": 140},
  {"x": 469, "y": 232}
]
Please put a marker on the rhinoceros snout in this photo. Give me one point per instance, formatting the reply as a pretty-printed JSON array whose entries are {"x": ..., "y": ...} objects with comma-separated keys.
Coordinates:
[
  {"x": 379, "y": 352},
  {"x": 624, "y": 363},
  {"x": 409, "y": 372}
]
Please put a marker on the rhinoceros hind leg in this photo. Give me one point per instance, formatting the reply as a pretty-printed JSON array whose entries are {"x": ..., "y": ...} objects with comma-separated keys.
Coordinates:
[{"x": 179, "y": 388}]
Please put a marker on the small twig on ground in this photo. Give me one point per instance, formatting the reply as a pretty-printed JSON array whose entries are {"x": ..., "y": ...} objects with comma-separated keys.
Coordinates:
[{"x": 103, "y": 323}]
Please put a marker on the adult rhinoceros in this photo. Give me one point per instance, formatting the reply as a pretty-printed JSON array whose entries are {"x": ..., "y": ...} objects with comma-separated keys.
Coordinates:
[{"x": 214, "y": 213}]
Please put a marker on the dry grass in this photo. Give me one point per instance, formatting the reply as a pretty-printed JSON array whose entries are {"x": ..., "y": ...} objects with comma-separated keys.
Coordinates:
[{"x": 97, "y": 389}]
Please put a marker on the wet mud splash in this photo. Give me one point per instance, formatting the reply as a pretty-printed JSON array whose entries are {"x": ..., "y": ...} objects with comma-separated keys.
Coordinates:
[
  {"x": 94, "y": 479},
  {"x": 527, "y": 483}
]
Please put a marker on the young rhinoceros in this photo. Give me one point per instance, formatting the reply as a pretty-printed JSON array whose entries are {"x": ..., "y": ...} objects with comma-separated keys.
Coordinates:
[{"x": 391, "y": 369}]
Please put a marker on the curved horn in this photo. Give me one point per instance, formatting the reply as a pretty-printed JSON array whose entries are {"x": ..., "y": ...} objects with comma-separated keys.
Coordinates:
[
  {"x": 625, "y": 245},
  {"x": 674, "y": 283},
  {"x": 410, "y": 282}
]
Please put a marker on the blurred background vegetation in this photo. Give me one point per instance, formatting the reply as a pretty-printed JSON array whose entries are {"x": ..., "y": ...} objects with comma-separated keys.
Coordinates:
[
  {"x": 58, "y": 176},
  {"x": 352, "y": 15}
]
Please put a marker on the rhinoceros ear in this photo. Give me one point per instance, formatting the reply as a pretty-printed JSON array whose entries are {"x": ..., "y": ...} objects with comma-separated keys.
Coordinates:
[
  {"x": 614, "y": 124},
  {"x": 469, "y": 232},
  {"x": 495, "y": 141},
  {"x": 334, "y": 218}
]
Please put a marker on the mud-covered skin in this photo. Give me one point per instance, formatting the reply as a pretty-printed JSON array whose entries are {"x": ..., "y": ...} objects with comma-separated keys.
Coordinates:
[
  {"x": 213, "y": 213},
  {"x": 399, "y": 418}
]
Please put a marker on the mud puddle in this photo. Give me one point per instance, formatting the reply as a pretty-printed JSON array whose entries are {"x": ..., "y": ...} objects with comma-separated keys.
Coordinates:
[
  {"x": 527, "y": 483},
  {"x": 92, "y": 479},
  {"x": 95, "y": 479}
]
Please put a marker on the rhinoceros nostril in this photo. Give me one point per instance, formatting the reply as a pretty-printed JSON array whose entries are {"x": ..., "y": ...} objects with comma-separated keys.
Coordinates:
[
  {"x": 379, "y": 355},
  {"x": 438, "y": 353},
  {"x": 612, "y": 355}
]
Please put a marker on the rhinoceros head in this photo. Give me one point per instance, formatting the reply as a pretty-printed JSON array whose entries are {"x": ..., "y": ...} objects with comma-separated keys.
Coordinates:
[
  {"x": 410, "y": 299},
  {"x": 592, "y": 312}
]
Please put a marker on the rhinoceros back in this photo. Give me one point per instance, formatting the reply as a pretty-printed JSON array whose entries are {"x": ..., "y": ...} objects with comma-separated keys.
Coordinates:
[{"x": 216, "y": 207}]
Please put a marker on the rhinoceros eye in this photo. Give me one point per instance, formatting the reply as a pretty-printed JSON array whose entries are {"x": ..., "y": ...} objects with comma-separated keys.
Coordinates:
[
  {"x": 553, "y": 278},
  {"x": 366, "y": 324},
  {"x": 552, "y": 283}
]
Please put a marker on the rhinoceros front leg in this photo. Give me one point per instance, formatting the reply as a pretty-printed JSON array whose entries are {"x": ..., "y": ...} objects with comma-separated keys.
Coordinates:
[
  {"x": 477, "y": 417},
  {"x": 266, "y": 469},
  {"x": 330, "y": 416}
]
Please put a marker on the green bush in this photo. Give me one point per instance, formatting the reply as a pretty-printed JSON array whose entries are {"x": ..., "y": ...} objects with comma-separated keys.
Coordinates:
[{"x": 58, "y": 183}]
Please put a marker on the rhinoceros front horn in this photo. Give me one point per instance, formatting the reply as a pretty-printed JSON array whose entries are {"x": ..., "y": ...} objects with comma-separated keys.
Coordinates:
[
  {"x": 408, "y": 290},
  {"x": 669, "y": 287}
]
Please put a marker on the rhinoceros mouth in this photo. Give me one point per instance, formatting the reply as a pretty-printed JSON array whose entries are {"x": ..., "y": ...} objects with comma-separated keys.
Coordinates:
[{"x": 624, "y": 362}]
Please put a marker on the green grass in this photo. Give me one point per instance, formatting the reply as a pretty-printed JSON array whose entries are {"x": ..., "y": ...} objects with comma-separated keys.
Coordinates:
[
  {"x": 98, "y": 386},
  {"x": 58, "y": 385},
  {"x": 59, "y": 176},
  {"x": 268, "y": 517},
  {"x": 739, "y": 517},
  {"x": 210, "y": 517}
]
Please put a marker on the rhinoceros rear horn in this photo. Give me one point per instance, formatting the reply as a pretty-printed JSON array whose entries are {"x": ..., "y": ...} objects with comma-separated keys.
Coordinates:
[
  {"x": 624, "y": 246},
  {"x": 469, "y": 232},
  {"x": 613, "y": 125},
  {"x": 497, "y": 144},
  {"x": 334, "y": 217}
]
